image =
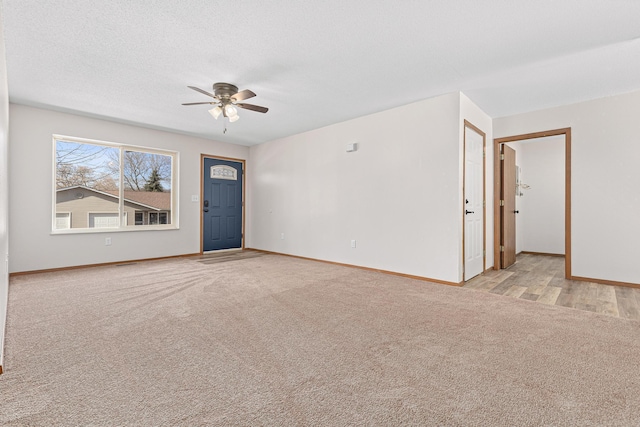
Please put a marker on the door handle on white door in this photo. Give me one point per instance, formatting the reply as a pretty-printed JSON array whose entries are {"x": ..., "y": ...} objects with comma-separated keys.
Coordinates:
[{"x": 466, "y": 212}]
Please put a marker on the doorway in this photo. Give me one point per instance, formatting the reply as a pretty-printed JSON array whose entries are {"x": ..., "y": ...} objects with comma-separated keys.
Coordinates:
[
  {"x": 504, "y": 210},
  {"x": 222, "y": 204},
  {"x": 474, "y": 230}
]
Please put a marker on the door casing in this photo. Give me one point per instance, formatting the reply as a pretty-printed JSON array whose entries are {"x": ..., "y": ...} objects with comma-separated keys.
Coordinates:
[
  {"x": 244, "y": 184},
  {"x": 567, "y": 192}
]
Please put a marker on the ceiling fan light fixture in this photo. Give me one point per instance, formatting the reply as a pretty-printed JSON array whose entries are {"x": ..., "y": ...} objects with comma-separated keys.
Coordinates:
[
  {"x": 215, "y": 112},
  {"x": 234, "y": 118},
  {"x": 230, "y": 111}
]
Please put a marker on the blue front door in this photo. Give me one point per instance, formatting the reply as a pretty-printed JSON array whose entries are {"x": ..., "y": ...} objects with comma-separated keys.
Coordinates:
[{"x": 222, "y": 205}]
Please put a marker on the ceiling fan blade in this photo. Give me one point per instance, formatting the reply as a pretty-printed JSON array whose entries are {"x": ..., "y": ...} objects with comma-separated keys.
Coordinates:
[
  {"x": 242, "y": 95},
  {"x": 252, "y": 107},
  {"x": 199, "y": 103},
  {"x": 197, "y": 89}
]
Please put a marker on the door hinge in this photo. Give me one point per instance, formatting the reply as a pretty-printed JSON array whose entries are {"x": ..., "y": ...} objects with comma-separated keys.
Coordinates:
[
  {"x": 501, "y": 202},
  {"x": 484, "y": 203},
  {"x": 501, "y": 156},
  {"x": 501, "y": 248}
]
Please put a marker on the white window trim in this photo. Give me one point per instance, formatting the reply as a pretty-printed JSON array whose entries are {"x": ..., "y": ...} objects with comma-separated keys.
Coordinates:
[{"x": 175, "y": 161}]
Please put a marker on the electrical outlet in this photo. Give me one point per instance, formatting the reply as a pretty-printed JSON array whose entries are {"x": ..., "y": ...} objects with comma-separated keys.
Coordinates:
[
  {"x": 195, "y": 198},
  {"x": 107, "y": 241},
  {"x": 353, "y": 243}
]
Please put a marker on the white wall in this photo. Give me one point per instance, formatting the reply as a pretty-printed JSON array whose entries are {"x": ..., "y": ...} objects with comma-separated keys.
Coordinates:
[
  {"x": 399, "y": 195},
  {"x": 542, "y": 206},
  {"x": 604, "y": 178},
  {"x": 4, "y": 190},
  {"x": 34, "y": 248}
]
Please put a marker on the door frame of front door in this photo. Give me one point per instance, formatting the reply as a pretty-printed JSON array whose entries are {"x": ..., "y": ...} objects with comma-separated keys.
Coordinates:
[
  {"x": 468, "y": 124},
  {"x": 244, "y": 186},
  {"x": 567, "y": 192}
]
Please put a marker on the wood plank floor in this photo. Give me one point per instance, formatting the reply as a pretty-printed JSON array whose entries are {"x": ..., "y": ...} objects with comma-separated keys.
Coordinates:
[
  {"x": 225, "y": 256},
  {"x": 541, "y": 278}
]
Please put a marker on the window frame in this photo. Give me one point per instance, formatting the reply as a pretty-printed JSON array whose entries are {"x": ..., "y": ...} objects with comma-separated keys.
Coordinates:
[{"x": 123, "y": 227}]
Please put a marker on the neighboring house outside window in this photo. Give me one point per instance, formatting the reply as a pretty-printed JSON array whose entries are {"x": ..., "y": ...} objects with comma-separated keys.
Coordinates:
[{"x": 82, "y": 207}]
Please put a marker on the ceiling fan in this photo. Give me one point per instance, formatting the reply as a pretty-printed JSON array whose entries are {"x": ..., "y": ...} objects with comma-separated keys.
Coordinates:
[{"x": 226, "y": 99}]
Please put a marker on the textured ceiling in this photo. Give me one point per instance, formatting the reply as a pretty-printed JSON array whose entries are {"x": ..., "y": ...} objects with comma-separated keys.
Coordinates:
[{"x": 313, "y": 63}]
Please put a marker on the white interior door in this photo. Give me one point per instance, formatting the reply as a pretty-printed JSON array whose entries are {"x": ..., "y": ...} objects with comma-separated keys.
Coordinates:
[{"x": 474, "y": 203}]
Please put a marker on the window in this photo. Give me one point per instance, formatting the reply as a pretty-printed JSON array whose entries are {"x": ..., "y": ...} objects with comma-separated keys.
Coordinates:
[
  {"x": 139, "y": 220},
  {"x": 163, "y": 217},
  {"x": 158, "y": 218},
  {"x": 106, "y": 185}
]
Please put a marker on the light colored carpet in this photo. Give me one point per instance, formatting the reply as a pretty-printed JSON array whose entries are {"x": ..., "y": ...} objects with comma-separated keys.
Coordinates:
[{"x": 273, "y": 340}]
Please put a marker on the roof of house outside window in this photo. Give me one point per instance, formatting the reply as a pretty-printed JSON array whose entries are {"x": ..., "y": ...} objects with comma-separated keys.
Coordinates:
[{"x": 160, "y": 201}]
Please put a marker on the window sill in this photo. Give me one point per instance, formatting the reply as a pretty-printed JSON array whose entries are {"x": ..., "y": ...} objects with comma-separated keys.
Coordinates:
[{"x": 133, "y": 228}]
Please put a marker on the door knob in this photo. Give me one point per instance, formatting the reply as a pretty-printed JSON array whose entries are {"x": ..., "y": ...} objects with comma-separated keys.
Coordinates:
[
  {"x": 466, "y": 212},
  {"x": 516, "y": 212}
]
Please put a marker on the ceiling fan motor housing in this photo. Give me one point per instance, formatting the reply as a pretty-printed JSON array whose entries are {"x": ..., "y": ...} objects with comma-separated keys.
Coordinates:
[{"x": 225, "y": 90}]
